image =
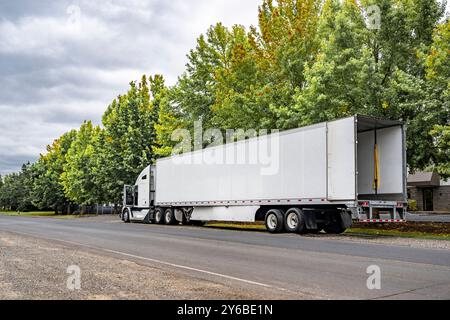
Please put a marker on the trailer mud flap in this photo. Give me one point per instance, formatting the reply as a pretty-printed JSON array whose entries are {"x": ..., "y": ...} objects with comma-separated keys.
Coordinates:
[
  {"x": 346, "y": 219},
  {"x": 310, "y": 217}
]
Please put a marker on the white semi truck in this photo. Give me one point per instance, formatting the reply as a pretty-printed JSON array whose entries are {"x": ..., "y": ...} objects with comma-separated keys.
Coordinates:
[{"x": 320, "y": 177}]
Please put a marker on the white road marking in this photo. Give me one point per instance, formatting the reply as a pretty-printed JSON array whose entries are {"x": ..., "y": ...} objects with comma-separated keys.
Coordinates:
[{"x": 156, "y": 261}]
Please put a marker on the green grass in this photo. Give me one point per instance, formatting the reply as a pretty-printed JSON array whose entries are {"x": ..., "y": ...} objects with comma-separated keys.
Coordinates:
[
  {"x": 394, "y": 233},
  {"x": 237, "y": 226},
  {"x": 40, "y": 214},
  {"x": 350, "y": 232}
]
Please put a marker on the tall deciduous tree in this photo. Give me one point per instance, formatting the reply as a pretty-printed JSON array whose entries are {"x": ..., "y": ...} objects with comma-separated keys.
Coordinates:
[
  {"x": 128, "y": 139},
  {"x": 48, "y": 191},
  {"x": 78, "y": 178},
  {"x": 16, "y": 189}
]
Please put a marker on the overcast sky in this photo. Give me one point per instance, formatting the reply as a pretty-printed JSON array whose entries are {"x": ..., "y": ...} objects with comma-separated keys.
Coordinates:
[{"x": 62, "y": 62}]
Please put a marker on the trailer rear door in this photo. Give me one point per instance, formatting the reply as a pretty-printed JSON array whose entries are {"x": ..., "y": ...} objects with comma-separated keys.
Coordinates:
[
  {"x": 341, "y": 160},
  {"x": 381, "y": 160}
]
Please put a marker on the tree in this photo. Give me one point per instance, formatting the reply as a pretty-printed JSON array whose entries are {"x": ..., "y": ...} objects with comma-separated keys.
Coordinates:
[
  {"x": 341, "y": 80},
  {"x": 125, "y": 146},
  {"x": 441, "y": 135},
  {"x": 437, "y": 67},
  {"x": 371, "y": 72},
  {"x": 78, "y": 177},
  {"x": 195, "y": 92},
  {"x": 16, "y": 190},
  {"x": 48, "y": 191}
]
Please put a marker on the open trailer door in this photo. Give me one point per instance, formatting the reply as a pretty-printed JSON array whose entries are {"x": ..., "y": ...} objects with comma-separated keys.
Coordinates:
[{"x": 381, "y": 169}]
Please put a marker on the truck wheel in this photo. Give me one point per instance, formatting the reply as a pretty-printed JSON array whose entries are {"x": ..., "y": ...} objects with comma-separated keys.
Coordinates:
[
  {"x": 184, "y": 220},
  {"x": 126, "y": 216},
  {"x": 159, "y": 216},
  {"x": 334, "y": 228},
  {"x": 274, "y": 221},
  {"x": 169, "y": 217},
  {"x": 147, "y": 219},
  {"x": 295, "y": 221}
]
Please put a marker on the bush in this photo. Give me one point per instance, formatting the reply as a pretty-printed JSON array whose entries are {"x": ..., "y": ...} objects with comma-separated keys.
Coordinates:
[{"x": 412, "y": 205}]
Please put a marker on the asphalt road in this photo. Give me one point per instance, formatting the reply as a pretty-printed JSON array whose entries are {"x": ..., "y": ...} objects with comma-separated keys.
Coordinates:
[
  {"x": 292, "y": 266},
  {"x": 428, "y": 217}
]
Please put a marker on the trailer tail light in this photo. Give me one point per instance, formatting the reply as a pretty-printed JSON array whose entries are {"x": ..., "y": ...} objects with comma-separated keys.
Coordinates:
[{"x": 364, "y": 204}]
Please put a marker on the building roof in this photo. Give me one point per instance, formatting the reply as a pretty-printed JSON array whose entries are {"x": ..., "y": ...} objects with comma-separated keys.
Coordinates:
[{"x": 424, "y": 179}]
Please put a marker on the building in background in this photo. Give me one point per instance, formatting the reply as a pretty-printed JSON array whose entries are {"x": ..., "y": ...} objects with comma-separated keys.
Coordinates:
[{"x": 429, "y": 191}]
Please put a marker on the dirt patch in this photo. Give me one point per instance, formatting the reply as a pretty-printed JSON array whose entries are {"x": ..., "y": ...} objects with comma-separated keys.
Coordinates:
[
  {"x": 37, "y": 269},
  {"x": 432, "y": 228}
]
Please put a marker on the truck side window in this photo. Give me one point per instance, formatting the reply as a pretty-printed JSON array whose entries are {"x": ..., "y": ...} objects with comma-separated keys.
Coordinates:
[{"x": 144, "y": 177}]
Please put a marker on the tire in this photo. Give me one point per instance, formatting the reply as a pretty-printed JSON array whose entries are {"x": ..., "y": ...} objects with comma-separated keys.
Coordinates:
[
  {"x": 334, "y": 228},
  {"x": 334, "y": 225},
  {"x": 184, "y": 220},
  {"x": 295, "y": 221},
  {"x": 159, "y": 216},
  {"x": 275, "y": 221},
  {"x": 198, "y": 223},
  {"x": 126, "y": 216},
  {"x": 169, "y": 217},
  {"x": 316, "y": 231},
  {"x": 147, "y": 219}
]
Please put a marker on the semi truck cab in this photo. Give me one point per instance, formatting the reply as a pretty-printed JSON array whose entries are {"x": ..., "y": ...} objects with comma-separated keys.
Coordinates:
[{"x": 138, "y": 200}]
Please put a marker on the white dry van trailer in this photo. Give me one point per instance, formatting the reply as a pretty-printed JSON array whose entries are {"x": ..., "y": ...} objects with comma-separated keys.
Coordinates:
[{"x": 320, "y": 177}]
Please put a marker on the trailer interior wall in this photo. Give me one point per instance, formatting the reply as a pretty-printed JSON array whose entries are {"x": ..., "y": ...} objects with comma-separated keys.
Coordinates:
[{"x": 389, "y": 138}]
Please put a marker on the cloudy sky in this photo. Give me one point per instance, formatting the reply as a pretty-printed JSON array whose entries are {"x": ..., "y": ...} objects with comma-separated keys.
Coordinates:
[{"x": 62, "y": 62}]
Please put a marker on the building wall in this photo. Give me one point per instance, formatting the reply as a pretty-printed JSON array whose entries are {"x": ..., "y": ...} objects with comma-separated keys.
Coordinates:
[
  {"x": 416, "y": 194},
  {"x": 441, "y": 198}
]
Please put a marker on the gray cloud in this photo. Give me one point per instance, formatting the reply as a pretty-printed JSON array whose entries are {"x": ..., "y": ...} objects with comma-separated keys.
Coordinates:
[{"x": 58, "y": 68}]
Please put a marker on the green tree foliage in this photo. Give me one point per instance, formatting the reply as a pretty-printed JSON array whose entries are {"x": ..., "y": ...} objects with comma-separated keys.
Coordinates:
[
  {"x": 286, "y": 43},
  {"x": 48, "y": 189},
  {"x": 196, "y": 90},
  {"x": 307, "y": 61},
  {"x": 438, "y": 83},
  {"x": 125, "y": 146},
  {"x": 78, "y": 178},
  {"x": 170, "y": 119},
  {"x": 441, "y": 134},
  {"x": 16, "y": 189},
  {"x": 373, "y": 72}
]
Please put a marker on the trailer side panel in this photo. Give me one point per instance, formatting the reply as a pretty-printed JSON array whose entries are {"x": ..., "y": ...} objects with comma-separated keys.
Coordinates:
[
  {"x": 291, "y": 165},
  {"x": 341, "y": 160}
]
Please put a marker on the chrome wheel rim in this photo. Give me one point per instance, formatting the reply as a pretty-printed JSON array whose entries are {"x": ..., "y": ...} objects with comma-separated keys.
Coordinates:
[
  {"x": 272, "y": 221},
  {"x": 292, "y": 220}
]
